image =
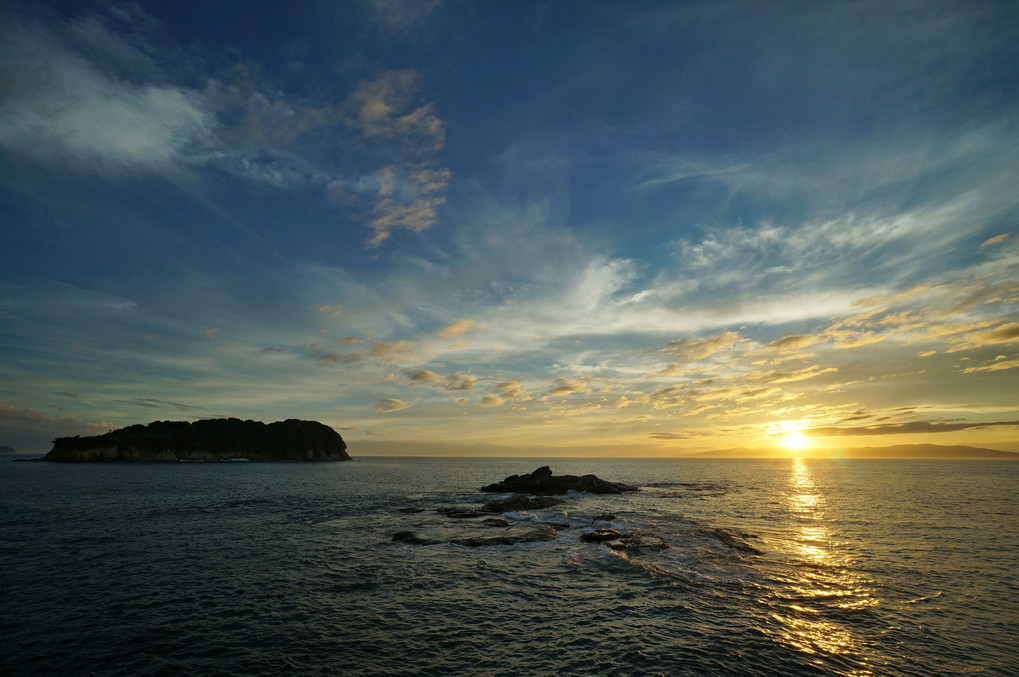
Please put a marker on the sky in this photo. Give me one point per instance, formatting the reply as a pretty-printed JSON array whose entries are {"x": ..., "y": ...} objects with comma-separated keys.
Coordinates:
[{"x": 626, "y": 228}]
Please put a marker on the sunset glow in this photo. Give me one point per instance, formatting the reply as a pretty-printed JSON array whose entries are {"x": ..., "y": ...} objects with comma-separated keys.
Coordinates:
[
  {"x": 796, "y": 441},
  {"x": 637, "y": 230}
]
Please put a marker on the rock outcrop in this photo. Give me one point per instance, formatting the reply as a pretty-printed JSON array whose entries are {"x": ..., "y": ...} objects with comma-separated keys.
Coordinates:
[
  {"x": 537, "y": 535},
  {"x": 543, "y": 482},
  {"x": 531, "y": 492},
  {"x": 224, "y": 439}
]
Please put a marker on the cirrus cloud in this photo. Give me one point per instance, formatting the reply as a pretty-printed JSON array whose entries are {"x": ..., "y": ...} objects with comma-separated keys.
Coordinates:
[{"x": 390, "y": 405}]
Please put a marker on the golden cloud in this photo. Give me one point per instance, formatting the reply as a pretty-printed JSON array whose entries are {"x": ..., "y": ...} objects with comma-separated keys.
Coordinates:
[
  {"x": 795, "y": 342},
  {"x": 459, "y": 381},
  {"x": 1000, "y": 363},
  {"x": 424, "y": 376},
  {"x": 698, "y": 349},
  {"x": 398, "y": 350},
  {"x": 460, "y": 328},
  {"x": 566, "y": 387},
  {"x": 390, "y": 404},
  {"x": 997, "y": 239},
  {"x": 379, "y": 109}
]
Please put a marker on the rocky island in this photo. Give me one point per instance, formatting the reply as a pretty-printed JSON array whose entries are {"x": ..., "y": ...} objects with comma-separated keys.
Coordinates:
[
  {"x": 223, "y": 439},
  {"x": 530, "y": 492},
  {"x": 543, "y": 482}
]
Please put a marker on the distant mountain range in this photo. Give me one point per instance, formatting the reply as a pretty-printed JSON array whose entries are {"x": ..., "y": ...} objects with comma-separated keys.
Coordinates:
[
  {"x": 895, "y": 451},
  {"x": 4, "y": 449}
]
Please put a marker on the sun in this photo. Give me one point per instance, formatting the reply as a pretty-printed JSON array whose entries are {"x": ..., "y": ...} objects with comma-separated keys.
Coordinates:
[{"x": 795, "y": 441}]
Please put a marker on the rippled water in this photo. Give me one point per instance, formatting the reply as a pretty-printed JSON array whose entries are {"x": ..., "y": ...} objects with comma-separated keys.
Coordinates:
[{"x": 774, "y": 567}]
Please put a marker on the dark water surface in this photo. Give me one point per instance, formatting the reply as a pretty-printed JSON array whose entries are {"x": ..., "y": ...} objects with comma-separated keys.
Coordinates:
[{"x": 775, "y": 567}]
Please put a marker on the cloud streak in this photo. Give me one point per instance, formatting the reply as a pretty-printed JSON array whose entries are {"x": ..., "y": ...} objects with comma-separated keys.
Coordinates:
[
  {"x": 911, "y": 427},
  {"x": 59, "y": 109}
]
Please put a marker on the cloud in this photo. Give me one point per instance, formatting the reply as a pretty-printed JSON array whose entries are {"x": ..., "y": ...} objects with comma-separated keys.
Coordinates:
[
  {"x": 30, "y": 430},
  {"x": 411, "y": 205},
  {"x": 460, "y": 381},
  {"x": 699, "y": 349},
  {"x": 385, "y": 351},
  {"x": 491, "y": 401},
  {"x": 85, "y": 96},
  {"x": 997, "y": 239},
  {"x": 1000, "y": 363},
  {"x": 787, "y": 376},
  {"x": 380, "y": 352},
  {"x": 794, "y": 342},
  {"x": 453, "y": 382},
  {"x": 401, "y": 16},
  {"x": 424, "y": 376},
  {"x": 567, "y": 387},
  {"x": 1004, "y": 333},
  {"x": 153, "y": 403},
  {"x": 671, "y": 436},
  {"x": 379, "y": 109},
  {"x": 511, "y": 390},
  {"x": 905, "y": 428},
  {"x": 460, "y": 328},
  {"x": 60, "y": 109},
  {"x": 410, "y": 191},
  {"x": 390, "y": 404}
]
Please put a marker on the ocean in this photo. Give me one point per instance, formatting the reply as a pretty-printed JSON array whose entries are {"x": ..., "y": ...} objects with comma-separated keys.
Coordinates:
[{"x": 743, "y": 567}]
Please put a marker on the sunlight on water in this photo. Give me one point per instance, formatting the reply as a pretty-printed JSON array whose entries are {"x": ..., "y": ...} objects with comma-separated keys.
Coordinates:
[
  {"x": 772, "y": 567},
  {"x": 823, "y": 582}
]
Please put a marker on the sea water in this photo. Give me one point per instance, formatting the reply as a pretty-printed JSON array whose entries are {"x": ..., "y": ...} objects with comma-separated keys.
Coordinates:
[{"x": 773, "y": 567}]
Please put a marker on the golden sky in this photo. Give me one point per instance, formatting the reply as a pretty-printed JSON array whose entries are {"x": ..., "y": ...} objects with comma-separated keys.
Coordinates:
[{"x": 647, "y": 230}]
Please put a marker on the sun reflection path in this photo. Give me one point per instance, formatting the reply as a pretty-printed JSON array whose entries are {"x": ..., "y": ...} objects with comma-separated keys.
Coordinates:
[{"x": 820, "y": 587}]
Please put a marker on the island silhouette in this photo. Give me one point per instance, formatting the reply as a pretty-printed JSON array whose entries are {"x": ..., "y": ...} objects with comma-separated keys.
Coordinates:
[{"x": 222, "y": 439}]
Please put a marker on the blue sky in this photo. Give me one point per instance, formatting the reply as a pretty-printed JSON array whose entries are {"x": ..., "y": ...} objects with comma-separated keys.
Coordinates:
[{"x": 601, "y": 227}]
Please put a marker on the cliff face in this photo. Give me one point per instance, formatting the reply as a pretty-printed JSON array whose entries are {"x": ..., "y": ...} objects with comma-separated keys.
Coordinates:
[{"x": 221, "y": 439}]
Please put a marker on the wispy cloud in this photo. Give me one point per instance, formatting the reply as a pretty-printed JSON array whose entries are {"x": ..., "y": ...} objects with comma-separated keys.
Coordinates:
[
  {"x": 460, "y": 328},
  {"x": 401, "y": 16},
  {"x": 24, "y": 428},
  {"x": 568, "y": 387},
  {"x": 382, "y": 108},
  {"x": 380, "y": 352},
  {"x": 60, "y": 109},
  {"x": 700, "y": 348},
  {"x": 1000, "y": 363},
  {"x": 390, "y": 405},
  {"x": 910, "y": 427},
  {"x": 82, "y": 96},
  {"x": 992, "y": 241},
  {"x": 410, "y": 192}
]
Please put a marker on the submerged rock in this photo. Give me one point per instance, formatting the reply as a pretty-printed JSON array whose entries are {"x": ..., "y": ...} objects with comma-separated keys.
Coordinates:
[
  {"x": 496, "y": 522},
  {"x": 461, "y": 513},
  {"x": 600, "y": 535},
  {"x": 639, "y": 543},
  {"x": 515, "y": 503},
  {"x": 511, "y": 504},
  {"x": 543, "y": 482},
  {"x": 607, "y": 517},
  {"x": 223, "y": 439},
  {"x": 413, "y": 538},
  {"x": 632, "y": 543},
  {"x": 731, "y": 540},
  {"x": 541, "y": 534}
]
